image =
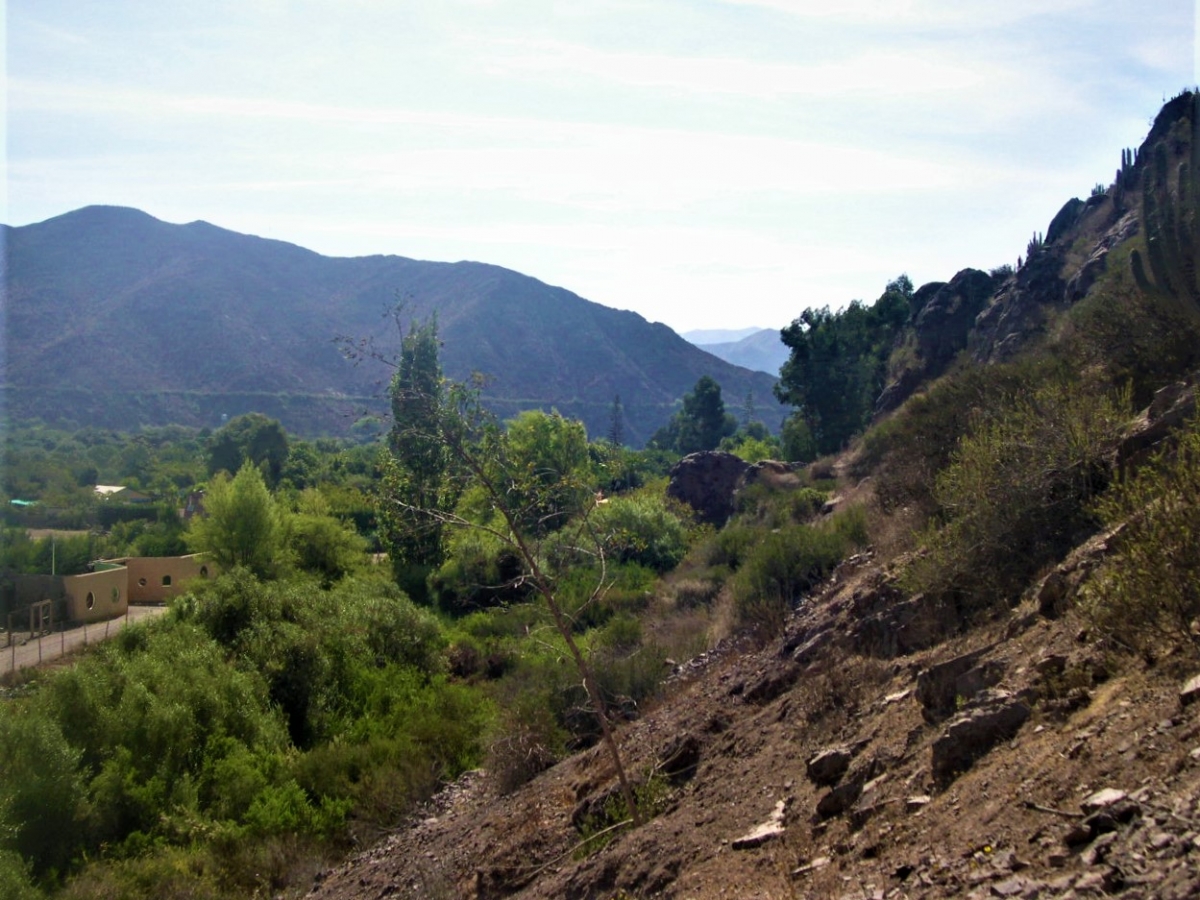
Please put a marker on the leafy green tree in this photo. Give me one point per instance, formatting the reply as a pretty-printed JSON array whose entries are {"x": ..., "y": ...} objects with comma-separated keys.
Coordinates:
[
  {"x": 703, "y": 420},
  {"x": 502, "y": 479},
  {"x": 838, "y": 363},
  {"x": 242, "y": 525},
  {"x": 320, "y": 543},
  {"x": 549, "y": 455},
  {"x": 700, "y": 423},
  {"x": 251, "y": 437},
  {"x": 417, "y": 475}
]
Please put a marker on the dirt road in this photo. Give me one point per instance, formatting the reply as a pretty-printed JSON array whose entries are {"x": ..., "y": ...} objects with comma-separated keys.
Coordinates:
[{"x": 49, "y": 647}]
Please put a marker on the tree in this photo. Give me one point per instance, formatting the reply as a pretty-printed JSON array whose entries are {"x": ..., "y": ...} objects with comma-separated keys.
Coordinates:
[
  {"x": 242, "y": 525},
  {"x": 616, "y": 423},
  {"x": 416, "y": 476},
  {"x": 838, "y": 363},
  {"x": 549, "y": 454},
  {"x": 703, "y": 420},
  {"x": 497, "y": 466},
  {"x": 251, "y": 437}
]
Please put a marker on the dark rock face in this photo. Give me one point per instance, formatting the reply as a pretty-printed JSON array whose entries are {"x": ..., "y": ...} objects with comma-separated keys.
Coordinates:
[
  {"x": 829, "y": 765},
  {"x": 706, "y": 482},
  {"x": 942, "y": 328}
]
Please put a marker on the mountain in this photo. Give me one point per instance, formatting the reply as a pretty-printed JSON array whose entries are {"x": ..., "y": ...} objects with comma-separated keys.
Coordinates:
[
  {"x": 700, "y": 336},
  {"x": 761, "y": 351},
  {"x": 117, "y": 319}
]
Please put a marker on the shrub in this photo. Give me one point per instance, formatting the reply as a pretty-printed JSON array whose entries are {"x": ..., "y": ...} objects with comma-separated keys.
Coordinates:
[
  {"x": 527, "y": 740},
  {"x": 1016, "y": 494},
  {"x": 785, "y": 563},
  {"x": 1148, "y": 592},
  {"x": 41, "y": 792}
]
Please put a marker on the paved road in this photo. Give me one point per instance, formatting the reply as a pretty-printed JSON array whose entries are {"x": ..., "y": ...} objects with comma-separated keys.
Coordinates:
[{"x": 52, "y": 646}]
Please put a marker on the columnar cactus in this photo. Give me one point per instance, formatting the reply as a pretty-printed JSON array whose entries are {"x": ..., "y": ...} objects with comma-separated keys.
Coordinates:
[{"x": 1172, "y": 223}]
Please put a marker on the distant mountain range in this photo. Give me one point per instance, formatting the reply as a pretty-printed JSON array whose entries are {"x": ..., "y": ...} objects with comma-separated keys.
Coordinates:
[
  {"x": 758, "y": 349},
  {"x": 116, "y": 319}
]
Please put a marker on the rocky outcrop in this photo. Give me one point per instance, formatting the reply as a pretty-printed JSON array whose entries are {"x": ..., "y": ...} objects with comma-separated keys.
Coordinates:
[
  {"x": 1097, "y": 262},
  {"x": 941, "y": 329},
  {"x": 1158, "y": 424},
  {"x": 706, "y": 482},
  {"x": 994, "y": 716}
]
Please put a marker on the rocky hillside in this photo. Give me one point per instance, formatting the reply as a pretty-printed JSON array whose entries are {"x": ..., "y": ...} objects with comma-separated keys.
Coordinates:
[
  {"x": 888, "y": 742},
  {"x": 117, "y": 319}
]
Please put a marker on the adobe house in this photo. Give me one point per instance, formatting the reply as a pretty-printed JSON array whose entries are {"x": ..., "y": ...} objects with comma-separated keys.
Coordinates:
[
  {"x": 105, "y": 593},
  {"x": 153, "y": 579}
]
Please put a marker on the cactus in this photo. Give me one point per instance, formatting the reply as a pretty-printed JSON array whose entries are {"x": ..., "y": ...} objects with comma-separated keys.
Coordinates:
[{"x": 1172, "y": 223}]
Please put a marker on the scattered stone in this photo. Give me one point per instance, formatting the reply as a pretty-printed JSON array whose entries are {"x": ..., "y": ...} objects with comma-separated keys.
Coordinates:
[
  {"x": 828, "y": 766},
  {"x": 819, "y": 863},
  {"x": 1190, "y": 692},
  {"x": 1101, "y": 799},
  {"x": 916, "y": 803},
  {"x": 769, "y": 829}
]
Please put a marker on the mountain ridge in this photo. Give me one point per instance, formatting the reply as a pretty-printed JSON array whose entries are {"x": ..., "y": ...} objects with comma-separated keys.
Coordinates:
[{"x": 171, "y": 323}]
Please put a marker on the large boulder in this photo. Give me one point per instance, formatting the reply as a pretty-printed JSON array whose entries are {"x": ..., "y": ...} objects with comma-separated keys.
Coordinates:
[{"x": 707, "y": 482}]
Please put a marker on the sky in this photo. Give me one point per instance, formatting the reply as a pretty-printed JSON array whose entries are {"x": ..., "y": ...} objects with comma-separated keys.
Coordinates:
[{"x": 707, "y": 164}]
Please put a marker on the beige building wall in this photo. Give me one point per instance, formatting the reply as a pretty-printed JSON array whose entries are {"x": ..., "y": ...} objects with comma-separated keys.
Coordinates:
[
  {"x": 96, "y": 596},
  {"x": 153, "y": 579}
]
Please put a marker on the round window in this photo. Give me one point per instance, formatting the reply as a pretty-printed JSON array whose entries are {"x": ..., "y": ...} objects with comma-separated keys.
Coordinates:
[
  {"x": 141, "y": 582},
  {"x": 91, "y": 600}
]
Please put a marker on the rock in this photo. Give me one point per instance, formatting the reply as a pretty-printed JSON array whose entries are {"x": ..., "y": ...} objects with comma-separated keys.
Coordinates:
[
  {"x": 828, "y": 766},
  {"x": 840, "y": 799},
  {"x": 942, "y": 327},
  {"x": 996, "y": 716},
  {"x": 706, "y": 482},
  {"x": 772, "y": 828},
  {"x": 771, "y": 684},
  {"x": 819, "y": 863},
  {"x": 1101, "y": 800},
  {"x": 1190, "y": 692},
  {"x": 937, "y": 690},
  {"x": 916, "y": 803}
]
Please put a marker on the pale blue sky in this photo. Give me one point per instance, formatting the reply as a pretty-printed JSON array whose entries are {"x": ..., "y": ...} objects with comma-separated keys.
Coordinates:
[{"x": 707, "y": 164}]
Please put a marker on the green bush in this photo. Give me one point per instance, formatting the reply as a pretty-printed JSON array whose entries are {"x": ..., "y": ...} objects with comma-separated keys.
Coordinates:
[
  {"x": 1016, "y": 494},
  {"x": 15, "y": 879},
  {"x": 41, "y": 792},
  {"x": 784, "y": 564},
  {"x": 1147, "y": 594}
]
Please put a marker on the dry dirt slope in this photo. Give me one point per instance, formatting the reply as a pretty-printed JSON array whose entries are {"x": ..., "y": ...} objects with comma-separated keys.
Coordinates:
[{"x": 968, "y": 770}]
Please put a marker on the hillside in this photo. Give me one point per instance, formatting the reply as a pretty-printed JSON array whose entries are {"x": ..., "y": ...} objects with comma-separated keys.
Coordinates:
[
  {"x": 971, "y": 707},
  {"x": 115, "y": 318}
]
